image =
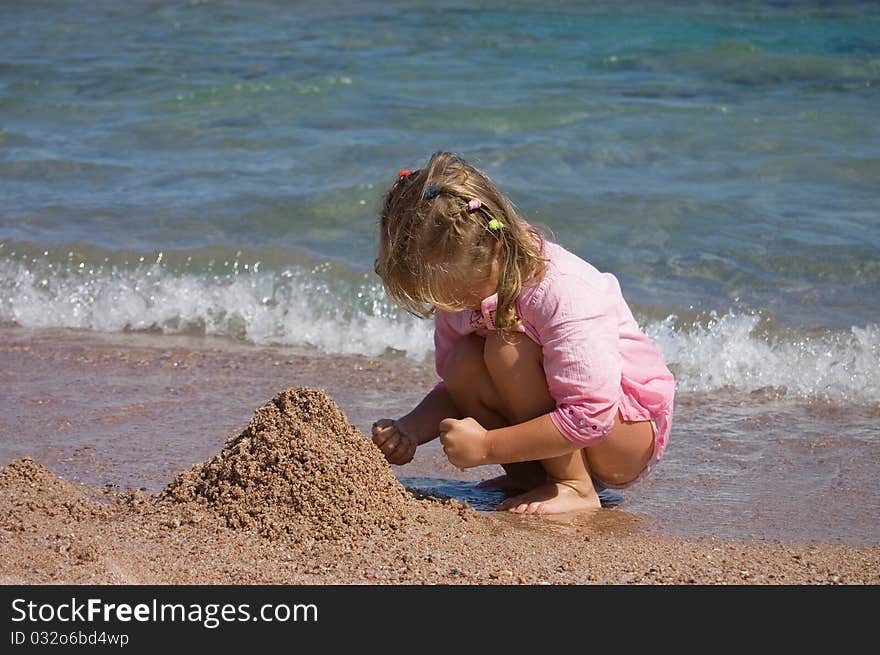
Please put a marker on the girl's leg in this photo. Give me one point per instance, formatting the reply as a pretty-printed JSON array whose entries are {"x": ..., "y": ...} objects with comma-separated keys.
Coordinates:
[
  {"x": 474, "y": 394},
  {"x": 570, "y": 489},
  {"x": 619, "y": 458},
  {"x": 623, "y": 454},
  {"x": 517, "y": 374}
]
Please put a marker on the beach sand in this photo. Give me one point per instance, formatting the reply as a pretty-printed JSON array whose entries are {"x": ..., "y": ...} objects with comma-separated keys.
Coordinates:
[{"x": 128, "y": 464}]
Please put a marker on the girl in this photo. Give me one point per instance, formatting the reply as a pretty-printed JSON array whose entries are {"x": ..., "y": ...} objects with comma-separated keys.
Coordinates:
[{"x": 544, "y": 369}]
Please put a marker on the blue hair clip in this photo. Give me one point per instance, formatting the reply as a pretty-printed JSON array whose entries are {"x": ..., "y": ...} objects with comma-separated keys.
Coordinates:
[{"x": 431, "y": 192}]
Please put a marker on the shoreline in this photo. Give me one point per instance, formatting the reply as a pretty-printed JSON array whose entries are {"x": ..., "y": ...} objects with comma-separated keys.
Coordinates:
[
  {"x": 109, "y": 418},
  {"x": 54, "y": 532}
]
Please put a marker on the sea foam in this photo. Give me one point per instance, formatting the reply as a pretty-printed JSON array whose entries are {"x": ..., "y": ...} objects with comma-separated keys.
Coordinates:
[{"x": 312, "y": 308}]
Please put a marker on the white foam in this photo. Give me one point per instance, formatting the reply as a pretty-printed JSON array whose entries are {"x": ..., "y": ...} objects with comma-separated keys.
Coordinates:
[
  {"x": 296, "y": 307},
  {"x": 726, "y": 352},
  {"x": 310, "y": 307}
]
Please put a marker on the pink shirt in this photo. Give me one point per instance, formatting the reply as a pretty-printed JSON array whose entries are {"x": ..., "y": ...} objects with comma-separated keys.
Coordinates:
[{"x": 596, "y": 359}]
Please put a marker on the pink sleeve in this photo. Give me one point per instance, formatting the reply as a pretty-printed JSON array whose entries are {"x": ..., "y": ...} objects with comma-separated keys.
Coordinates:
[{"x": 578, "y": 329}]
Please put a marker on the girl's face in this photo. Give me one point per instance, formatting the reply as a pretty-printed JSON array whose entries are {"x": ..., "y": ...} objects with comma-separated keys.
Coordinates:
[{"x": 471, "y": 294}]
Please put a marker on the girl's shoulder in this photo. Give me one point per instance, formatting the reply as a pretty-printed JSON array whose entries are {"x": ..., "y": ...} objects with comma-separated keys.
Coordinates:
[{"x": 565, "y": 273}]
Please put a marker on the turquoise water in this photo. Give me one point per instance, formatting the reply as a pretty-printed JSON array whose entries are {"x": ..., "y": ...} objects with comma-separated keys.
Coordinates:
[{"x": 215, "y": 168}]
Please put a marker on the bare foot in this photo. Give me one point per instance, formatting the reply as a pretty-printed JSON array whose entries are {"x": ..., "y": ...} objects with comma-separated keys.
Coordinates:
[{"x": 554, "y": 498}]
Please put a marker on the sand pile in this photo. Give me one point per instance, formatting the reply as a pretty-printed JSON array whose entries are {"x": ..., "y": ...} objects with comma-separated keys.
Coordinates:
[
  {"x": 299, "y": 470},
  {"x": 28, "y": 488},
  {"x": 38, "y": 506}
]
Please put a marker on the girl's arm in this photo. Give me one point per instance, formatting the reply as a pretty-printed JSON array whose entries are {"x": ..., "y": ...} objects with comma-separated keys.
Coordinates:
[
  {"x": 466, "y": 443},
  {"x": 399, "y": 439},
  {"x": 578, "y": 328},
  {"x": 533, "y": 440},
  {"x": 422, "y": 423}
]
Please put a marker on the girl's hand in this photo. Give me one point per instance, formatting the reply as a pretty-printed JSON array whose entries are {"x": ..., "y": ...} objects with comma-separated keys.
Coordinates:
[
  {"x": 464, "y": 442},
  {"x": 397, "y": 447}
]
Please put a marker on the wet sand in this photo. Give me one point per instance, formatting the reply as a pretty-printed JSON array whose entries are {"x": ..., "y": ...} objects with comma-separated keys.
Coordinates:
[{"x": 151, "y": 465}]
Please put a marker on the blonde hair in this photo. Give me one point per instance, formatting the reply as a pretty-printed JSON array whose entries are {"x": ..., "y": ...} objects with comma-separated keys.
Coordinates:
[{"x": 432, "y": 245}]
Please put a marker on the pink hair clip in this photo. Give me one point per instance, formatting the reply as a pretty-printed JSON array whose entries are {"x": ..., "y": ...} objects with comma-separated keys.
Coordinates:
[
  {"x": 404, "y": 173},
  {"x": 474, "y": 204}
]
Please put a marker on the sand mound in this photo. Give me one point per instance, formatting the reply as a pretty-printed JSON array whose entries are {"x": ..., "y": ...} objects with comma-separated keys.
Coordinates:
[
  {"x": 27, "y": 488},
  {"x": 299, "y": 470}
]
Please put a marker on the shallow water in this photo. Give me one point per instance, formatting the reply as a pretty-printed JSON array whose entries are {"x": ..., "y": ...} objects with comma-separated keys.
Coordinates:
[{"x": 134, "y": 410}]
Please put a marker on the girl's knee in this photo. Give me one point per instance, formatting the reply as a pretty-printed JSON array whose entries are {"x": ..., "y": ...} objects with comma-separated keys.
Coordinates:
[
  {"x": 623, "y": 456},
  {"x": 514, "y": 365},
  {"x": 505, "y": 352},
  {"x": 614, "y": 478},
  {"x": 464, "y": 364}
]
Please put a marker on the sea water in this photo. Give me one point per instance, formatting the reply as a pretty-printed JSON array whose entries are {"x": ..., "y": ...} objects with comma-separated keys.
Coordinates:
[{"x": 216, "y": 168}]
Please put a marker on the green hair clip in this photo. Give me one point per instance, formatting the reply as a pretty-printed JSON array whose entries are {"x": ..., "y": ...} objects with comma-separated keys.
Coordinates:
[{"x": 495, "y": 225}]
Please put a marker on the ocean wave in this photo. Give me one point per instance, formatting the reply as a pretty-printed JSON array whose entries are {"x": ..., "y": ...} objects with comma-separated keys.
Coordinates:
[
  {"x": 315, "y": 307},
  {"x": 295, "y": 306},
  {"x": 733, "y": 351}
]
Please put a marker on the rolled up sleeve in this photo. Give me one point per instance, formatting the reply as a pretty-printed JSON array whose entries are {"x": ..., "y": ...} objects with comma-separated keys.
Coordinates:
[{"x": 578, "y": 329}]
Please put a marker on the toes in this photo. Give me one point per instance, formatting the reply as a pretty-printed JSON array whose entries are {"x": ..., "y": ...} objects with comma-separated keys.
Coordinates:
[
  {"x": 527, "y": 508},
  {"x": 509, "y": 503}
]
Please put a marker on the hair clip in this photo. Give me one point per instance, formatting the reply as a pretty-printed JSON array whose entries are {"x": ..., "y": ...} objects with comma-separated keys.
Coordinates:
[
  {"x": 474, "y": 204},
  {"x": 495, "y": 225},
  {"x": 404, "y": 173},
  {"x": 431, "y": 192}
]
